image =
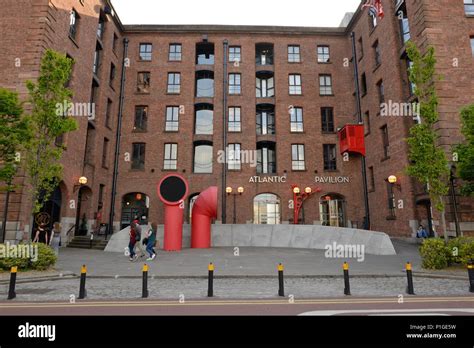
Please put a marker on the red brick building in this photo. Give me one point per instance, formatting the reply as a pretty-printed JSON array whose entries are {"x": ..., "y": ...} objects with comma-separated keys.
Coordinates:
[{"x": 274, "y": 96}]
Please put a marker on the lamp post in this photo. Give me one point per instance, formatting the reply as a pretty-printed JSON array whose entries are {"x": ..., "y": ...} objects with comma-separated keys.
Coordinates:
[
  {"x": 393, "y": 181},
  {"x": 452, "y": 181},
  {"x": 239, "y": 192},
  {"x": 81, "y": 182},
  {"x": 299, "y": 198}
]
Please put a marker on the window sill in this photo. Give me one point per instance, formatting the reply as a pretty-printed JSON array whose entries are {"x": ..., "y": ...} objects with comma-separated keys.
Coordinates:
[
  {"x": 235, "y": 94},
  {"x": 371, "y": 190},
  {"x": 73, "y": 41},
  {"x": 174, "y": 61},
  {"x": 331, "y": 170},
  {"x": 385, "y": 159},
  {"x": 363, "y": 94},
  {"x": 171, "y": 131},
  {"x": 299, "y": 170},
  {"x": 139, "y": 131},
  {"x": 105, "y": 167},
  {"x": 325, "y": 62},
  {"x": 391, "y": 218},
  {"x": 377, "y": 67},
  {"x": 326, "y": 95},
  {"x": 361, "y": 57},
  {"x": 297, "y": 132},
  {"x": 169, "y": 170},
  {"x": 144, "y": 61},
  {"x": 142, "y": 93},
  {"x": 173, "y": 93},
  {"x": 294, "y": 62},
  {"x": 295, "y": 95},
  {"x": 328, "y": 133}
]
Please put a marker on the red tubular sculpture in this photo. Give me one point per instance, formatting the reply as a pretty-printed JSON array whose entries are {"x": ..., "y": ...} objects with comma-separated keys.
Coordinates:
[
  {"x": 204, "y": 210},
  {"x": 172, "y": 191}
]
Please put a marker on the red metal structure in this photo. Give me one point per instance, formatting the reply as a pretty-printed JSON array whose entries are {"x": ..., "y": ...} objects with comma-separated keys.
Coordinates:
[
  {"x": 352, "y": 139},
  {"x": 204, "y": 210},
  {"x": 299, "y": 198},
  {"x": 172, "y": 191}
]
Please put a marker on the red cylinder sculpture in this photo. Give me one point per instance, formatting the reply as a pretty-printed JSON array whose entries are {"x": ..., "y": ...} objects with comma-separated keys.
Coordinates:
[
  {"x": 172, "y": 190},
  {"x": 204, "y": 210}
]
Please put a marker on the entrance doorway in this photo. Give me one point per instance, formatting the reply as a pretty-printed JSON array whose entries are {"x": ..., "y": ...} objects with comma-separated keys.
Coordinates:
[
  {"x": 50, "y": 213},
  {"x": 134, "y": 205},
  {"x": 332, "y": 210},
  {"x": 266, "y": 209}
]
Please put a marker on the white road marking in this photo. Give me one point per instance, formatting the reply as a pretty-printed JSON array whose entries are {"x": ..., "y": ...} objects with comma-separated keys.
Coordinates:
[{"x": 420, "y": 311}]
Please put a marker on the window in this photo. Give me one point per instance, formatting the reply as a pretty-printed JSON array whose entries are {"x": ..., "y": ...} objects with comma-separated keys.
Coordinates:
[
  {"x": 175, "y": 52},
  {"x": 294, "y": 54},
  {"x": 325, "y": 85},
  {"x": 94, "y": 89},
  {"x": 112, "y": 74},
  {"x": 145, "y": 51},
  {"x": 73, "y": 24},
  {"x": 381, "y": 91},
  {"x": 138, "y": 156},
  {"x": 266, "y": 157},
  {"x": 385, "y": 141},
  {"x": 469, "y": 7},
  {"x": 202, "y": 157},
  {"x": 234, "y": 119},
  {"x": 323, "y": 54},
  {"x": 297, "y": 157},
  {"x": 296, "y": 119},
  {"x": 174, "y": 83},
  {"x": 114, "y": 42},
  {"x": 404, "y": 24},
  {"x": 105, "y": 152},
  {"x": 411, "y": 85},
  {"x": 329, "y": 152},
  {"x": 265, "y": 119},
  {"x": 234, "y": 83},
  {"x": 233, "y": 156},
  {"x": 100, "y": 203},
  {"x": 204, "y": 53},
  {"x": 372, "y": 20},
  {"x": 264, "y": 54},
  {"x": 108, "y": 112},
  {"x": 294, "y": 81},
  {"x": 327, "y": 120},
  {"x": 141, "y": 117},
  {"x": 172, "y": 119},
  {"x": 367, "y": 123},
  {"x": 266, "y": 209},
  {"x": 95, "y": 66},
  {"x": 204, "y": 116},
  {"x": 265, "y": 87},
  {"x": 143, "y": 82},
  {"x": 371, "y": 179},
  {"x": 101, "y": 26},
  {"x": 390, "y": 201},
  {"x": 71, "y": 74},
  {"x": 235, "y": 54},
  {"x": 378, "y": 57},
  {"x": 472, "y": 45},
  {"x": 205, "y": 84},
  {"x": 170, "y": 161},
  {"x": 363, "y": 84},
  {"x": 361, "y": 48}
]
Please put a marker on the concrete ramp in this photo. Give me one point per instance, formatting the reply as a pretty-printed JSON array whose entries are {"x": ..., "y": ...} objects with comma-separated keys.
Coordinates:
[{"x": 275, "y": 236}]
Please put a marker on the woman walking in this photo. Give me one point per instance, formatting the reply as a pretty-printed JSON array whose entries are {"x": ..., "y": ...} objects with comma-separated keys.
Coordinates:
[
  {"x": 41, "y": 235},
  {"x": 56, "y": 238},
  {"x": 151, "y": 239}
]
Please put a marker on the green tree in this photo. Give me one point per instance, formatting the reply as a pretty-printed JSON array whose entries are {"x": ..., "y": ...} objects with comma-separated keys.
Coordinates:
[
  {"x": 428, "y": 162},
  {"x": 42, "y": 162},
  {"x": 465, "y": 152},
  {"x": 14, "y": 133}
]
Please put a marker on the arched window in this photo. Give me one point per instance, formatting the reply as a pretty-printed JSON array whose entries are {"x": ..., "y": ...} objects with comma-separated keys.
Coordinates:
[
  {"x": 332, "y": 210},
  {"x": 266, "y": 209},
  {"x": 204, "y": 84},
  {"x": 204, "y": 118},
  {"x": 202, "y": 157}
]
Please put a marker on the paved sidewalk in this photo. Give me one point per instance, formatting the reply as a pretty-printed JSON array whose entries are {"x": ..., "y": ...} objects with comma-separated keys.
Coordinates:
[{"x": 251, "y": 261}]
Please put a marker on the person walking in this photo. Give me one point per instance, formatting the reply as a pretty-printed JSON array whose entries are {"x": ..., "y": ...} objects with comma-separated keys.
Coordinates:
[
  {"x": 41, "y": 235},
  {"x": 138, "y": 237},
  {"x": 55, "y": 239},
  {"x": 151, "y": 240},
  {"x": 132, "y": 242}
]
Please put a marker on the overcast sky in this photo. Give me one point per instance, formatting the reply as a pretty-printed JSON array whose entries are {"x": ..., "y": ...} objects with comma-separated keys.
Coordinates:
[{"x": 311, "y": 13}]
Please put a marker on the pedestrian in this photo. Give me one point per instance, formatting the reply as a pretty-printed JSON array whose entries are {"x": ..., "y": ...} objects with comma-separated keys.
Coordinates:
[
  {"x": 55, "y": 239},
  {"x": 421, "y": 232},
  {"x": 41, "y": 235},
  {"x": 132, "y": 242},
  {"x": 138, "y": 237},
  {"x": 151, "y": 240}
]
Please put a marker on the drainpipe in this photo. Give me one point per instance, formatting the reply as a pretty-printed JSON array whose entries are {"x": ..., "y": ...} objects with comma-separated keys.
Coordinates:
[
  {"x": 360, "y": 121},
  {"x": 110, "y": 227},
  {"x": 204, "y": 210},
  {"x": 224, "y": 133}
]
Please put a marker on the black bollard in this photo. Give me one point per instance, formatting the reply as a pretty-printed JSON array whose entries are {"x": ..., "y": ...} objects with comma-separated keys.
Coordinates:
[
  {"x": 470, "y": 271},
  {"x": 11, "y": 290},
  {"x": 410, "y": 289},
  {"x": 210, "y": 285},
  {"x": 145, "y": 281},
  {"x": 281, "y": 284},
  {"x": 82, "y": 285},
  {"x": 347, "y": 285}
]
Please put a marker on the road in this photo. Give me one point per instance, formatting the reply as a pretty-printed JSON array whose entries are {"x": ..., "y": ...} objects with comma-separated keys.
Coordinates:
[{"x": 460, "y": 305}]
